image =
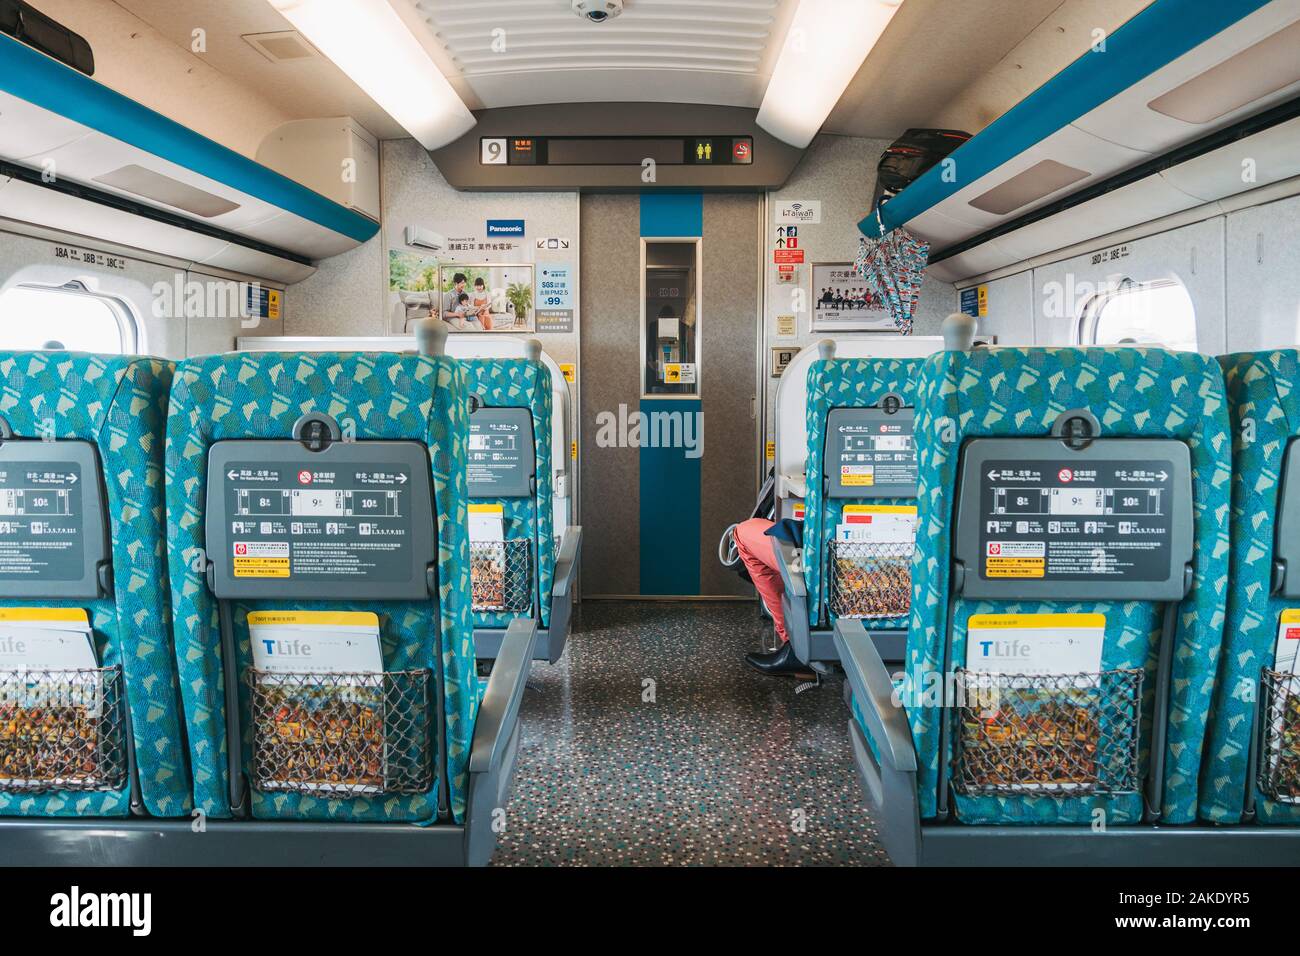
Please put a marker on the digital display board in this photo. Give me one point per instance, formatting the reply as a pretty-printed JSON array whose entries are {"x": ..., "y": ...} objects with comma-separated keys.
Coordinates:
[{"x": 616, "y": 150}]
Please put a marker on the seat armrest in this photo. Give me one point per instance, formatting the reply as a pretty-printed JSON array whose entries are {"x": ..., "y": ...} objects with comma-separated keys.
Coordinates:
[
  {"x": 567, "y": 561},
  {"x": 874, "y": 692},
  {"x": 505, "y": 690},
  {"x": 788, "y": 559}
]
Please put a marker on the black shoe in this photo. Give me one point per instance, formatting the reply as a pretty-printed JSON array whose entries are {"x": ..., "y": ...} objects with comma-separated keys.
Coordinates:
[{"x": 780, "y": 663}]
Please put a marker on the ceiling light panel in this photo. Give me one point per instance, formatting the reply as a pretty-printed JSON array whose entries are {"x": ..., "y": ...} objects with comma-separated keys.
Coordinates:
[{"x": 370, "y": 43}]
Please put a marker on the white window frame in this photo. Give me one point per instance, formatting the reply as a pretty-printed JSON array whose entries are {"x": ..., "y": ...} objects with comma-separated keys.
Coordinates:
[
  {"x": 130, "y": 329},
  {"x": 1085, "y": 327}
]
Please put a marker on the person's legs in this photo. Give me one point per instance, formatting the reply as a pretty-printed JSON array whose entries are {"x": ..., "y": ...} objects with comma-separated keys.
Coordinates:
[{"x": 758, "y": 551}]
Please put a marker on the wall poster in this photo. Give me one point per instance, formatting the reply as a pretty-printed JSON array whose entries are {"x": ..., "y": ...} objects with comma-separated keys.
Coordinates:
[
  {"x": 841, "y": 301},
  {"x": 475, "y": 285},
  {"x": 487, "y": 298}
]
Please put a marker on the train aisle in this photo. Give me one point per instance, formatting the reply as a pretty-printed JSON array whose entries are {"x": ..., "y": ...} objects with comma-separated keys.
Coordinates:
[{"x": 652, "y": 743}]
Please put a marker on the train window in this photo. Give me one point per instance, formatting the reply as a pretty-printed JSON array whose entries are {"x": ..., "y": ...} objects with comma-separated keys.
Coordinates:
[
  {"x": 670, "y": 318},
  {"x": 66, "y": 317},
  {"x": 1141, "y": 313}
]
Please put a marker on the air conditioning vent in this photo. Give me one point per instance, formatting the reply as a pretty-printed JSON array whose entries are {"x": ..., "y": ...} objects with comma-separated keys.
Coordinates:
[
  {"x": 171, "y": 192},
  {"x": 1039, "y": 180},
  {"x": 280, "y": 47},
  {"x": 1270, "y": 65}
]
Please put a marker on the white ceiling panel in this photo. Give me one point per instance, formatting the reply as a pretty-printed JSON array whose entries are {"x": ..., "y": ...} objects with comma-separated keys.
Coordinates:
[{"x": 522, "y": 52}]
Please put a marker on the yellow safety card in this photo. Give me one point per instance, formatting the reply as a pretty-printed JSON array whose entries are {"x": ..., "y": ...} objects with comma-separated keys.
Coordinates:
[
  {"x": 62, "y": 615},
  {"x": 314, "y": 618}
]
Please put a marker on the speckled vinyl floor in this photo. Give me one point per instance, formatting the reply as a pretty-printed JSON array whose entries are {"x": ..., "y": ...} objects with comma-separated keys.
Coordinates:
[{"x": 722, "y": 766}]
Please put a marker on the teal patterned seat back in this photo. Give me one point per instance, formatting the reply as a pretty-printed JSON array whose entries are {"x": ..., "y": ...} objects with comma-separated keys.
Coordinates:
[
  {"x": 378, "y": 396},
  {"x": 519, "y": 383},
  {"x": 1265, "y": 408},
  {"x": 120, "y": 404},
  {"x": 1012, "y": 392},
  {"x": 842, "y": 383}
]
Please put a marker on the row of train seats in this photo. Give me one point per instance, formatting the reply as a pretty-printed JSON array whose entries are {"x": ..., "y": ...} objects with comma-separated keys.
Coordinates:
[
  {"x": 237, "y": 590},
  {"x": 1104, "y": 600},
  {"x": 524, "y": 565},
  {"x": 860, "y": 509}
]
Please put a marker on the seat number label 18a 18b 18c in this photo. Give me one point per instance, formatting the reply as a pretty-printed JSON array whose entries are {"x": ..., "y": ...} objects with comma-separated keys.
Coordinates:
[{"x": 1076, "y": 521}]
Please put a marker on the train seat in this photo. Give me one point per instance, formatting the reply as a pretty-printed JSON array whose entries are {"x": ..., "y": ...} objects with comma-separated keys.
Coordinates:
[
  {"x": 861, "y": 482},
  {"x": 1005, "y": 718},
  {"x": 272, "y": 444},
  {"x": 1250, "y": 768},
  {"x": 521, "y": 568},
  {"x": 87, "y": 430}
]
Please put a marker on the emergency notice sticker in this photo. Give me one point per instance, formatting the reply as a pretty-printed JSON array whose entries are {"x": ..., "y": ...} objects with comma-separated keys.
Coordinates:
[
  {"x": 260, "y": 559},
  {"x": 1015, "y": 559}
]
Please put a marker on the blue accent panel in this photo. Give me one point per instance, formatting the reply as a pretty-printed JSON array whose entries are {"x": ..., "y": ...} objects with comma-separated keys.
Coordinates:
[
  {"x": 49, "y": 84},
  {"x": 1148, "y": 42},
  {"x": 672, "y": 214},
  {"x": 670, "y": 509}
]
